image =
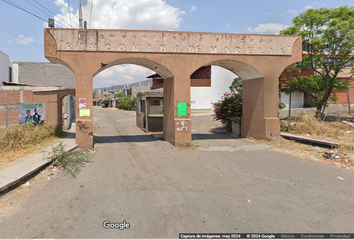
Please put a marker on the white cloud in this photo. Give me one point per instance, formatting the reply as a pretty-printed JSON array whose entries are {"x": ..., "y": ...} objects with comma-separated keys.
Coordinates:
[
  {"x": 21, "y": 39},
  {"x": 128, "y": 77},
  {"x": 193, "y": 8},
  {"x": 289, "y": 12},
  {"x": 125, "y": 14},
  {"x": 308, "y": 7},
  {"x": 227, "y": 24},
  {"x": 111, "y": 82},
  {"x": 122, "y": 74},
  {"x": 269, "y": 28}
]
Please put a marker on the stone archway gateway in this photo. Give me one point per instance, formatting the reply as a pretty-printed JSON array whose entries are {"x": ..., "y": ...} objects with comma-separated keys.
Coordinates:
[{"x": 257, "y": 59}]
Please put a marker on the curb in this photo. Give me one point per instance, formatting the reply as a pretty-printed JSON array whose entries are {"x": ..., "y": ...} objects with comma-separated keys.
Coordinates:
[{"x": 18, "y": 181}]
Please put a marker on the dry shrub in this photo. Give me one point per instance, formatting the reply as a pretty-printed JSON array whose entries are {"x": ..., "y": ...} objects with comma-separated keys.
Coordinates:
[
  {"x": 307, "y": 124},
  {"x": 20, "y": 136}
]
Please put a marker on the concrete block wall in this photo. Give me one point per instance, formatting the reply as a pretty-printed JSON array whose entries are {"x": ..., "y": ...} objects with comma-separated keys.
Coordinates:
[{"x": 45, "y": 74}]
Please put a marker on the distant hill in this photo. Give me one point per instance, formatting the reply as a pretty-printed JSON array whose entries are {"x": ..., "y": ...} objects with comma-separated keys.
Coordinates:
[{"x": 117, "y": 88}]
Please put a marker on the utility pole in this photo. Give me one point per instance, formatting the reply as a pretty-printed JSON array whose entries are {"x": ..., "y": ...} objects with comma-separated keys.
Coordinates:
[
  {"x": 348, "y": 93},
  {"x": 80, "y": 15}
]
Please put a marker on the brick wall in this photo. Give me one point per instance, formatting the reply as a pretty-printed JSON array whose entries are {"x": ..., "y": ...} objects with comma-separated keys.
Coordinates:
[
  {"x": 14, "y": 96},
  {"x": 200, "y": 83},
  {"x": 50, "y": 100},
  {"x": 17, "y": 95}
]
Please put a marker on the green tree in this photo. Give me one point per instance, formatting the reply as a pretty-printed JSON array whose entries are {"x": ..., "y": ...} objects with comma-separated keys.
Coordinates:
[
  {"x": 121, "y": 94},
  {"x": 328, "y": 42},
  {"x": 236, "y": 86},
  {"x": 128, "y": 103},
  {"x": 105, "y": 102}
]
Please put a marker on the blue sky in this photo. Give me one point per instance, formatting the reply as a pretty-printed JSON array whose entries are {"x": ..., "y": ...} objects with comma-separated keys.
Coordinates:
[{"x": 21, "y": 34}]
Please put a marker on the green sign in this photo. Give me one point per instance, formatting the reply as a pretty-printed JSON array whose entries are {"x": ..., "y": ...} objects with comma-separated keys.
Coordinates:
[{"x": 182, "y": 109}]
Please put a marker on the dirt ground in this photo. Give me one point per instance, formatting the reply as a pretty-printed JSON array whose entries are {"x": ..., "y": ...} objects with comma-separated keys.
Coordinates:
[
  {"x": 313, "y": 153},
  {"x": 332, "y": 129},
  {"x": 339, "y": 132},
  {"x": 12, "y": 201}
]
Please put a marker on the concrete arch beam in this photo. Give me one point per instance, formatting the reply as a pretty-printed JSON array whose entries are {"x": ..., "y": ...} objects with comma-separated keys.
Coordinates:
[{"x": 257, "y": 59}]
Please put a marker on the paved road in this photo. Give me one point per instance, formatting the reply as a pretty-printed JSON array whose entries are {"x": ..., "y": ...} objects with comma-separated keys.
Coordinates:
[{"x": 161, "y": 190}]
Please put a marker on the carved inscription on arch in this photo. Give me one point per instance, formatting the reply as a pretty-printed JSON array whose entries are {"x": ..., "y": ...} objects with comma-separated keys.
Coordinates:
[{"x": 171, "y": 42}]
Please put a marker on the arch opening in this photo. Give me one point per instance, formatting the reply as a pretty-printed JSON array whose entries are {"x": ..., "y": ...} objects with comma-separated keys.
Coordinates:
[
  {"x": 144, "y": 62},
  {"x": 129, "y": 79},
  {"x": 222, "y": 75},
  {"x": 243, "y": 70},
  {"x": 68, "y": 112}
]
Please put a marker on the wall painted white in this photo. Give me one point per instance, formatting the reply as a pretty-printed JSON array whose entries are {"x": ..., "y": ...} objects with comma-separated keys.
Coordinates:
[
  {"x": 15, "y": 72},
  {"x": 200, "y": 98},
  {"x": 297, "y": 100},
  {"x": 221, "y": 80},
  {"x": 68, "y": 111},
  {"x": 203, "y": 97},
  {"x": 4, "y": 67}
]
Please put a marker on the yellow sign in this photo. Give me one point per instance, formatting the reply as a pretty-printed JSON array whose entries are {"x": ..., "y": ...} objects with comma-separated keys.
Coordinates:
[{"x": 84, "y": 112}]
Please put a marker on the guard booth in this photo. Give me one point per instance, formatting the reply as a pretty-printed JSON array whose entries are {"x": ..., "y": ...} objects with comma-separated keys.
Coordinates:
[{"x": 149, "y": 111}]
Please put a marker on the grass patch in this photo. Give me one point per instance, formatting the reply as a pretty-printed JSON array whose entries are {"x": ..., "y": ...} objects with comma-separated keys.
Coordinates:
[
  {"x": 307, "y": 124},
  {"x": 21, "y": 136},
  {"x": 328, "y": 130},
  {"x": 25, "y": 139},
  {"x": 186, "y": 145}
]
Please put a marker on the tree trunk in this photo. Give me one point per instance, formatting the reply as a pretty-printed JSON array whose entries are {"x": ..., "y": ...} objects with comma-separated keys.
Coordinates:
[
  {"x": 290, "y": 105},
  {"x": 348, "y": 97}
]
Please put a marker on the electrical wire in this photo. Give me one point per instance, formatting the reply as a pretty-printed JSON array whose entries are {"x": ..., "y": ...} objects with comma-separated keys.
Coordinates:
[
  {"x": 14, "y": 5},
  {"x": 48, "y": 15},
  {"x": 68, "y": 9},
  {"x": 23, "y": 8},
  {"x": 8, "y": 31},
  {"x": 53, "y": 13}
]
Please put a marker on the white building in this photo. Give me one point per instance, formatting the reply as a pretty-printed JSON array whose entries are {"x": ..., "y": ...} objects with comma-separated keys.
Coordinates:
[
  {"x": 297, "y": 99},
  {"x": 203, "y": 97},
  {"x": 208, "y": 84},
  {"x": 5, "y": 68}
]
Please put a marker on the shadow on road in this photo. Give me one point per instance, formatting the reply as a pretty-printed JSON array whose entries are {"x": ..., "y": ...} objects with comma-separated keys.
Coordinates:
[
  {"x": 123, "y": 138},
  {"x": 149, "y": 138},
  {"x": 70, "y": 135},
  {"x": 204, "y": 136}
]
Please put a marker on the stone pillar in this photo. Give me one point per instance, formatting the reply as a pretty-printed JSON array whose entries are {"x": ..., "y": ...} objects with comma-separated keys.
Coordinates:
[
  {"x": 260, "y": 108},
  {"x": 271, "y": 105},
  {"x": 177, "y": 130},
  {"x": 84, "y": 125}
]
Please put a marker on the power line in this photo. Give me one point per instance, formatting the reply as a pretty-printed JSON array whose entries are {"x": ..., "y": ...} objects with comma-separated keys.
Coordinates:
[
  {"x": 68, "y": 9},
  {"x": 52, "y": 13},
  {"x": 8, "y": 31},
  {"x": 48, "y": 15},
  {"x": 23, "y": 8},
  {"x": 32, "y": 7},
  {"x": 14, "y": 5}
]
